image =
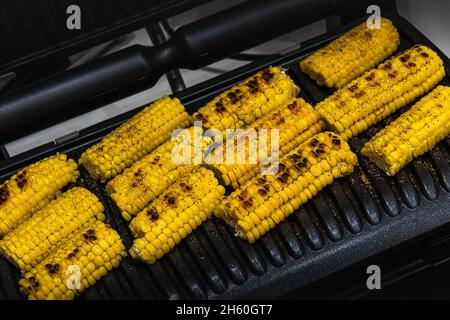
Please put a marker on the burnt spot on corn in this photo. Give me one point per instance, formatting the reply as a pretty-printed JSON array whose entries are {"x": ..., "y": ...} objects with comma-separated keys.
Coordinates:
[
  {"x": 53, "y": 268},
  {"x": 252, "y": 86},
  {"x": 368, "y": 35},
  {"x": 411, "y": 65},
  {"x": 71, "y": 255},
  {"x": 262, "y": 180},
  {"x": 244, "y": 193},
  {"x": 292, "y": 106},
  {"x": 90, "y": 232},
  {"x": 280, "y": 121},
  {"x": 4, "y": 194},
  {"x": 172, "y": 200},
  {"x": 353, "y": 88},
  {"x": 21, "y": 180},
  {"x": 220, "y": 108},
  {"x": 153, "y": 215},
  {"x": 134, "y": 185},
  {"x": 262, "y": 192},
  {"x": 199, "y": 116},
  {"x": 234, "y": 98},
  {"x": 370, "y": 77},
  {"x": 424, "y": 54},
  {"x": 138, "y": 173},
  {"x": 267, "y": 75},
  {"x": 301, "y": 164},
  {"x": 247, "y": 204},
  {"x": 387, "y": 67},
  {"x": 34, "y": 284},
  {"x": 314, "y": 142},
  {"x": 359, "y": 94},
  {"x": 281, "y": 167},
  {"x": 336, "y": 142}
]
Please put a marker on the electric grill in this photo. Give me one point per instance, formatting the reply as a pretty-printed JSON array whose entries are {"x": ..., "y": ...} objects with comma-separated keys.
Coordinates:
[{"x": 348, "y": 224}]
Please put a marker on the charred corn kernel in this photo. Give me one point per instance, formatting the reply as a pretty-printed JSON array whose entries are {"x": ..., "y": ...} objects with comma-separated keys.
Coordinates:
[
  {"x": 412, "y": 134},
  {"x": 76, "y": 265},
  {"x": 296, "y": 121},
  {"x": 350, "y": 55},
  {"x": 246, "y": 102},
  {"x": 381, "y": 91},
  {"x": 265, "y": 201},
  {"x": 135, "y": 138},
  {"x": 32, "y": 188},
  {"x": 137, "y": 186},
  {"x": 35, "y": 238},
  {"x": 174, "y": 214}
]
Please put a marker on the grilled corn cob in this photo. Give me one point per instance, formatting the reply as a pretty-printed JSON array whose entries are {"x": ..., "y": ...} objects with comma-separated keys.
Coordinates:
[
  {"x": 174, "y": 214},
  {"x": 296, "y": 122},
  {"x": 352, "y": 54},
  {"x": 32, "y": 188},
  {"x": 35, "y": 238},
  {"x": 76, "y": 265},
  {"x": 381, "y": 91},
  {"x": 248, "y": 101},
  {"x": 412, "y": 134},
  {"x": 265, "y": 201},
  {"x": 135, "y": 188},
  {"x": 135, "y": 138}
]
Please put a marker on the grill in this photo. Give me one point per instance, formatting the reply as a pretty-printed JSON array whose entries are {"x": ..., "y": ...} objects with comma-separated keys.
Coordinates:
[{"x": 350, "y": 221}]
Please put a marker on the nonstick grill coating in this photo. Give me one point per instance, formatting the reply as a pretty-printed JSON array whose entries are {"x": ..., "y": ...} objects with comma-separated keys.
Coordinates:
[{"x": 349, "y": 221}]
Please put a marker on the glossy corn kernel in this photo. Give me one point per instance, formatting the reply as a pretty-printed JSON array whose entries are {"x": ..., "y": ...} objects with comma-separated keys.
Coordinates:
[
  {"x": 382, "y": 91},
  {"x": 76, "y": 265},
  {"x": 296, "y": 121},
  {"x": 135, "y": 138},
  {"x": 32, "y": 188},
  {"x": 248, "y": 101},
  {"x": 412, "y": 134},
  {"x": 174, "y": 214},
  {"x": 137, "y": 186},
  {"x": 350, "y": 55},
  {"x": 35, "y": 238},
  {"x": 265, "y": 201}
]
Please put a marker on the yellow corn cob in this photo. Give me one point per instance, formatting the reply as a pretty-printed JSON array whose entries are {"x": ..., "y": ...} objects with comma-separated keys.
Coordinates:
[
  {"x": 296, "y": 122},
  {"x": 135, "y": 138},
  {"x": 137, "y": 186},
  {"x": 32, "y": 188},
  {"x": 248, "y": 101},
  {"x": 174, "y": 214},
  {"x": 382, "y": 91},
  {"x": 35, "y": 238},
  {"x": 350, "y": 55},
  {"x": 267, "y": 200},
  {"x": 76, "y": 265},
  {"x": 412, "y": 134}
]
